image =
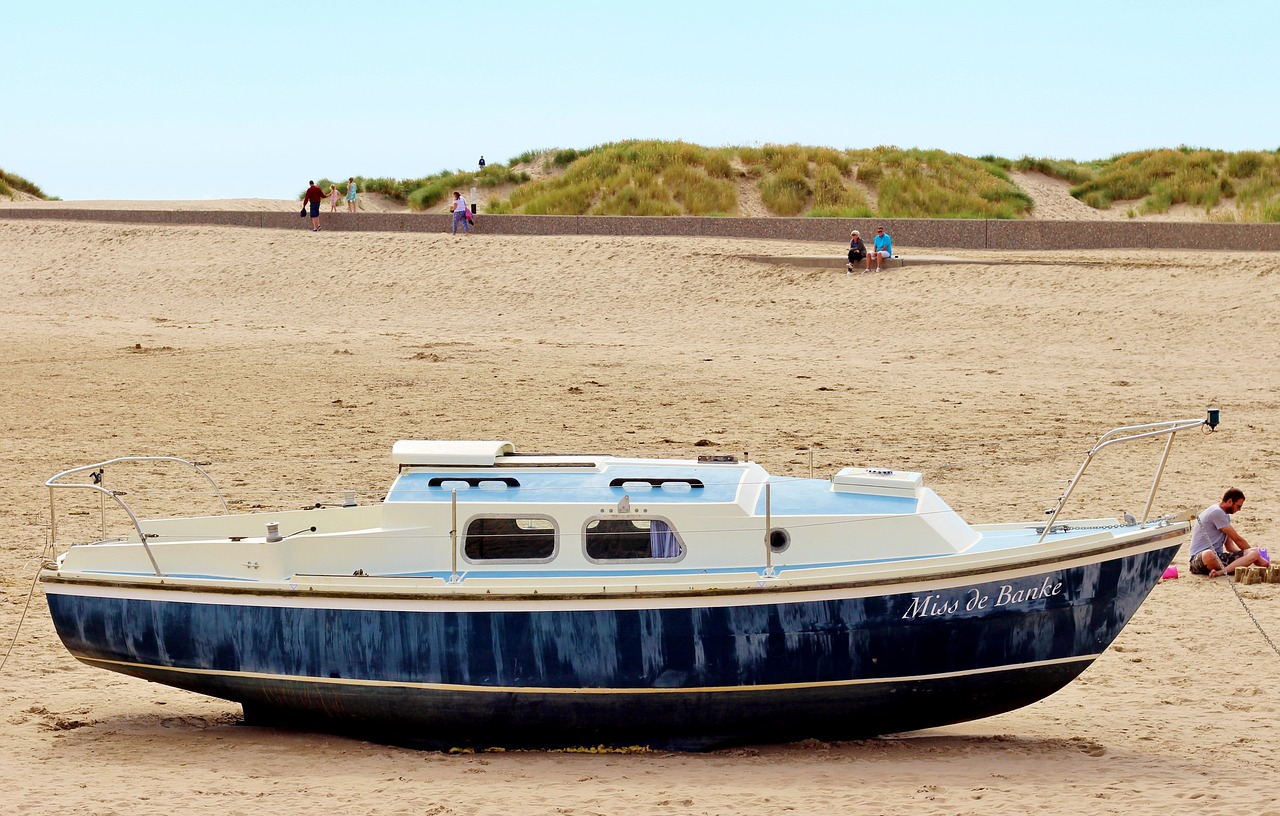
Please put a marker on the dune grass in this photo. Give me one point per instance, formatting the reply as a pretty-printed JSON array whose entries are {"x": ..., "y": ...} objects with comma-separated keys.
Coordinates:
[
  {"x": 434, "y": 189},
  {"x": 647, "y": 177},
  {"x": 641, "y": 177},
  {"x": 12, "y": 183},
  {"x": 799, "y": 180},
  {"x": 422, "y": 193},
  {"x": 936, "y": 184},
  {"x": 1065, "y": 169},
  {"x": 1159, "y": 179}
]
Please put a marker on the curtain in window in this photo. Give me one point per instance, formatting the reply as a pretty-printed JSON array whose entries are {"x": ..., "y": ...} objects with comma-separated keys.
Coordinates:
[{"x": 662, "y": 541}]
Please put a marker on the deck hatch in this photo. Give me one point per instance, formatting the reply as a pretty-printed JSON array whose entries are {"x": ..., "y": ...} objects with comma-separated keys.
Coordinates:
[
  {"x": 656, "y": 481},
  {"x": 474, "y": 481}
]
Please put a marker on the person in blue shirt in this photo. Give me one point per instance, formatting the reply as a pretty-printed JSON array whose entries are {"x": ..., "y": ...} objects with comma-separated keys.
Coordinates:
[{"x": 882, "y": 249}]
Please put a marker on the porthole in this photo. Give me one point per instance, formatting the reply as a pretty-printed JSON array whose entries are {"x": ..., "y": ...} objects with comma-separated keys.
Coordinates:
[{"x": 779, "y": 539}]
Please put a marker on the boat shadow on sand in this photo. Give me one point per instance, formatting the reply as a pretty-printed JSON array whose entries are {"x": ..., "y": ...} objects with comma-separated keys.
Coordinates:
[{"x": 179, "y": 731}]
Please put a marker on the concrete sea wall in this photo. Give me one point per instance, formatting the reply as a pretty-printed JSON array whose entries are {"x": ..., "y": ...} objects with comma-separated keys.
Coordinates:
[{"x": 907, "y": 232}]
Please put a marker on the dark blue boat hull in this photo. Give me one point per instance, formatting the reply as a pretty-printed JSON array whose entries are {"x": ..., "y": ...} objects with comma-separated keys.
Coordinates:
[{"x": 700, "y": 674}]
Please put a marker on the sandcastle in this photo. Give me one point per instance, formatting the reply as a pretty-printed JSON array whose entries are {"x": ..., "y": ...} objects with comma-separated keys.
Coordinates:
[{"x": 1258, "y": 575}]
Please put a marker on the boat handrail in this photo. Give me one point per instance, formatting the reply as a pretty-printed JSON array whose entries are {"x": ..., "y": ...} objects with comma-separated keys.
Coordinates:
[
  {"x": 1130, "y": 433},
  {"x": 97, "y": 469}
]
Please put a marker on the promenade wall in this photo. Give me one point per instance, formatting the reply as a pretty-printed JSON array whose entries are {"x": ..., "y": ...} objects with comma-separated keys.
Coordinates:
[{"x": 907, "y": 232}]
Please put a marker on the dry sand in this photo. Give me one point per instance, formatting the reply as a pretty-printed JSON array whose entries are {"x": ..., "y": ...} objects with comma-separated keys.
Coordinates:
[{"x": 292, "y": 361}]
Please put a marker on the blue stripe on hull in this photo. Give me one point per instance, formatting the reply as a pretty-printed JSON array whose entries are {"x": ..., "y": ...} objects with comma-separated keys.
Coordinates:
[{"x": 529, "y": 659}]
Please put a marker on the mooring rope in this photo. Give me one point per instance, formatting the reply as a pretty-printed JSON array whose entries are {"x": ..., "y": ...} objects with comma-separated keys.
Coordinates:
[
  {"x": 30, "y": 594},
  {"x": 1232, "y": 583}
]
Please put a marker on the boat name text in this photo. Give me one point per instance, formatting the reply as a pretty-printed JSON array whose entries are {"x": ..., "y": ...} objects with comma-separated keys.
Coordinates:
[{"x": 973, "y": 599}]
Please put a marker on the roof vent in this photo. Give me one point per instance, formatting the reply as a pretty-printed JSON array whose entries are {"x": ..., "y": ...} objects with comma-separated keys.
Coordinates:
[{"x": 877, "y": 482}]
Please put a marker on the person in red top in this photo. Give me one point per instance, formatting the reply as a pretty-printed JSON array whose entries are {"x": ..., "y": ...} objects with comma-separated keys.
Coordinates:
[{"x": 312, "y": 198}]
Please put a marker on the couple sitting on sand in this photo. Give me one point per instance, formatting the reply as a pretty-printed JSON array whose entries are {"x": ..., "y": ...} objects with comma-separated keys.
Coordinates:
[{"x": 1216, "y": 547}]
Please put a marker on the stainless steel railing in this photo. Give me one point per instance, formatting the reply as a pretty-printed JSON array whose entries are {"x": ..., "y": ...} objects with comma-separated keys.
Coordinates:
[
  {"x": 1130, "y": 433},
  {"x": 97, "y": 473}
]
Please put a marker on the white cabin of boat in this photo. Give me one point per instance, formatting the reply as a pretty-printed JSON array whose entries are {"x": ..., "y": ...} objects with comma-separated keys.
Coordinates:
[{"x": 572, "y": 517}]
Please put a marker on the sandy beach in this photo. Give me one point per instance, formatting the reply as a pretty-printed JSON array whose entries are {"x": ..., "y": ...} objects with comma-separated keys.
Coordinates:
[{"x": 291, "y": 361}]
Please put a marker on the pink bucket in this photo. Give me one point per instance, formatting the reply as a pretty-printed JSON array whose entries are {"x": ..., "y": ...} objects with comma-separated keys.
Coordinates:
[{"x": 1170, "y": 572}]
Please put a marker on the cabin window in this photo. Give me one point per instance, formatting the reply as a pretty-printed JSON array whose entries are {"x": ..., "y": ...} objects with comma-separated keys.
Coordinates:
[
  {"x": 510, "y": 538},
  {"x": 610, "y": 539}
]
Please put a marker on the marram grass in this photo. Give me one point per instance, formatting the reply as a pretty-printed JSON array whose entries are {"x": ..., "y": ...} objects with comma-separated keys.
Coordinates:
[
  {"x": 12, "y": 183},
  {"x": 650, "y": 177}
]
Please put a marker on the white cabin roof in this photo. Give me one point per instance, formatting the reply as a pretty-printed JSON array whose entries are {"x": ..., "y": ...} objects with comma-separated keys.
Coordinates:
[{"x": 449, "y": 452}]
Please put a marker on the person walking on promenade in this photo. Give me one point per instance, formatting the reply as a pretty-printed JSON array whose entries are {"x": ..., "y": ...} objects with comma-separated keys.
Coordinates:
[
  {"x": 333, "y": 198},
  {"x": 351, "y": 194},
  {"x": 459, "y": 210},
  {"x": 312, "y": 198}
]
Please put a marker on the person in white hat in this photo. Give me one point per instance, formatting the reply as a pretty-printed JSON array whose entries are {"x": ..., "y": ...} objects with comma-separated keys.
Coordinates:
[{"x": 857, "y": 251}]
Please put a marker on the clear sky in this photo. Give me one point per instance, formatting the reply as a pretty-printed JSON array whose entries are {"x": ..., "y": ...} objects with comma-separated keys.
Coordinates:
[{"x": 231, "y": 99}]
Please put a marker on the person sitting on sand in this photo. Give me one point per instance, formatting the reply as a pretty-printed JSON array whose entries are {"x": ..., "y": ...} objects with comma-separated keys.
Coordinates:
[
  {"x": 1216, "y": 547},
  {"x": 883, "y": 249},
  {"x": 857, "y": 251}
]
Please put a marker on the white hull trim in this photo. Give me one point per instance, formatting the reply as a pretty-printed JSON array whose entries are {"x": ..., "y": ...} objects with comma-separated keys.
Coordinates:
[{"x": 126, "y": 667}]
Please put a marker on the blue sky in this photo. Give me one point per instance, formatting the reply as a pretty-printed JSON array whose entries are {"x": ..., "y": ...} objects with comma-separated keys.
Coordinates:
[{"x": 156, "y": 100}]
